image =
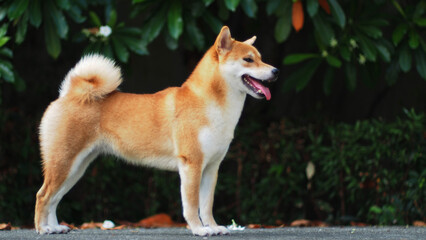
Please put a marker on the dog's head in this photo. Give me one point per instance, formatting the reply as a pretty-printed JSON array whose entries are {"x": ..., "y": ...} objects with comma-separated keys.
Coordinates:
[{"x": 241, "y": 65}]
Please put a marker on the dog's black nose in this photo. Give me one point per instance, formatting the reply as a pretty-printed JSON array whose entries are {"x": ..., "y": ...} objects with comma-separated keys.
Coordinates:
[{"x": 275, "y": 71}]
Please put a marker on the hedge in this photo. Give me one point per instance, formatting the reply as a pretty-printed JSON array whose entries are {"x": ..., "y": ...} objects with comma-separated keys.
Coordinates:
[{"x": 373, "y": 171}]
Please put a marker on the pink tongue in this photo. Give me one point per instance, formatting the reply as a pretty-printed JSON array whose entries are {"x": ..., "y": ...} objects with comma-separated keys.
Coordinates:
[{"x": 262, "y": 88}]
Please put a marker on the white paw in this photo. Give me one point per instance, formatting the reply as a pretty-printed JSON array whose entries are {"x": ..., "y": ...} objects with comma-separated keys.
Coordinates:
[
  {"x": 220, "y": 230},
  {"x": 202, "y": 231},
  {"x": 52, "y": 229}
]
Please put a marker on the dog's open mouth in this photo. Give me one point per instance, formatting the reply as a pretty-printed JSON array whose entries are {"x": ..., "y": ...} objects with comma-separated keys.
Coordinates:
[{"x": 256, "y": 86}]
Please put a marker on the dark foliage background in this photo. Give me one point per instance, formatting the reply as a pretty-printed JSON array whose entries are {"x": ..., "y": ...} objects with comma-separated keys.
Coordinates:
[{"x": 349, "y": 106}]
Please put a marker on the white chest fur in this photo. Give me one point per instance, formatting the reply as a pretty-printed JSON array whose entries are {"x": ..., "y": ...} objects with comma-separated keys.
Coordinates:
[{"x": 216, "y": 137}]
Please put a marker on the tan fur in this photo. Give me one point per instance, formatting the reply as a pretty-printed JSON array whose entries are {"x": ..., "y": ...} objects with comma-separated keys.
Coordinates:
[{"x": 186, "y": 129}]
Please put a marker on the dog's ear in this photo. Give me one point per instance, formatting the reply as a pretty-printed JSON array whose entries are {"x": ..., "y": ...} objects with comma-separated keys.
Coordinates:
[
  {"x": 250, "y": 41},
  {"x": 224, "y": 41}
]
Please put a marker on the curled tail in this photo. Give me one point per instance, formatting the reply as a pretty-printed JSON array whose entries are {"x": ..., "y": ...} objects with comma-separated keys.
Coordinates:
[{"x": 91, "y": 79}]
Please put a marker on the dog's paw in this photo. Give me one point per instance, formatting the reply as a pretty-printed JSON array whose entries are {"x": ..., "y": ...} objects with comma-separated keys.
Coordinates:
[
  {"x": 220, "y": 230},
  {"x": 203, "y": 231},
  {"x": 53, "y": 229}
]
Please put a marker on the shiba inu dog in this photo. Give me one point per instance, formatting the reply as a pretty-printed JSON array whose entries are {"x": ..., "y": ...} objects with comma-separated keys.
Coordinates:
[{"x": 186, "y": 129}]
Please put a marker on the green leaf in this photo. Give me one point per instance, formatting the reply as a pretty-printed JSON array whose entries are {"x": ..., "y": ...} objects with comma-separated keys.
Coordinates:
[
  {"x": 421, "y": 22},
  {"x": 333, "y": 61},
  {"x": 21, "y": 28},
  {"x": 174, "y": 19},
  {"x": 296, "y": 58},
  {"x": 337, "y": 13},
  {"x": 75, "y": 13},
  {"x": 129, "y": 31},
  {"x": 17, "y": 8},
  {"x": 120, "y": 50},
  {"x": 368, "y": 48},
  {"x": 171, "y": 43},
  {"x": 420, "y": 57},
  {"x": 301, "y": 77},
  {"x": 271, "y": 6},
  {"x": 371, "y": 31},
  {"x": 53, "y": 43},
  {"x": 284, "y": 8},
  {"x": 195, "y": 35},
  {"x": 283, "y": 28},
  {"x": 6, "y": 72},
  {"x": 134, "y": 44},
  {"x": 323, "y": 29},
  {"x": 207, "y": 2},
  {"x": 107, "y": 51},
  {"x": 63, "y": 4},
  {"x": 344, "y": 53},
  {"x": 95, "y": 19},
  {"x": 405, "y": 59},
  {"x": 312, "y": 7},
  {"x": 328, "y": 81},
  {"x": 3, "y": 30},
  {"x": 399, "y": 33},
  {"x": 58, "y": 20},
  {"x": 6, "y": 52},
  {"x": 413, "y": 39},
  {"x": 249, "y": 7},
  {"x": 4, "y": 40},
  {"x": 384, "y": 52},
  {"x": 375, "y": 209},
  {"x": 350, "y": 71},
  {"x": 112, "y": 18},
  {"x": 35, "y": 13},
  {"x": 153, "y": 27},
  {"x": 3, "y": 13},
  {"x": 232, "y": 4},
  {"x": 214, "y": 23}
]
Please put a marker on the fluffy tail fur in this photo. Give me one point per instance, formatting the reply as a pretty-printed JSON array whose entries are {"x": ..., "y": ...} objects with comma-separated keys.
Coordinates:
[{"x": 91, "y": 79}]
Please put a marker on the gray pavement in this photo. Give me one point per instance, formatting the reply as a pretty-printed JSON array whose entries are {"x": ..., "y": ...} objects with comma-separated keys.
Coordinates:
[{"x": 401, "y": 233}]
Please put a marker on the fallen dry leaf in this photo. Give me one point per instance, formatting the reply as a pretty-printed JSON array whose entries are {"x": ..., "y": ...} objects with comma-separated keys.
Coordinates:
[
  {"x": 158, "y": 220},
  {"x": 308, "y": 223},
  {"x": 71, "y": 226},
  {"x": 301, "y": 223},
  {"x": 115, "y": 228},
  {"x": 91, "y": 225},
  {"x": 419, "y": 224},
  {"x": 254, "y": 226},
  {"x": 5, "y": 226}
]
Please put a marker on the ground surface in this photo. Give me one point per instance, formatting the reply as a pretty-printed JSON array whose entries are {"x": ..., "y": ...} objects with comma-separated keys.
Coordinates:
[{"x": 408, "y": 233}]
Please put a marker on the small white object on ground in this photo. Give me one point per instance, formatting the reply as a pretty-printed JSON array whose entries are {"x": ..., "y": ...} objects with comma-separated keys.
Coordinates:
[
  {"x": 234, "y": 226},
  {"x": 108, "y": 224}
]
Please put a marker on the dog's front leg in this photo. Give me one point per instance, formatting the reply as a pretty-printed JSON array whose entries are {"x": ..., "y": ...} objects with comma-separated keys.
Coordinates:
[
  {"x": 190, "y": 176},
  {"x": 208, "y": 184}
]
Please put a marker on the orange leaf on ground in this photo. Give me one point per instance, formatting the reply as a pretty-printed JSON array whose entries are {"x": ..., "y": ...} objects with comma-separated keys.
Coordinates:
[
  {"x": 419, "y": 224},
  {"x": 159, "y": 220},
  {"x": 297, "y": 15},
  {"x": 5, "y": 226},
  {"x": 91, "y": 225},
  {"x": 300, "y": 223},
  {"x": 71, "y": 226},
  {"x": 115, "y": 228},
  {"x": 255, "y": 226},
  {"x": 325, "y": 6},
  {"x": 308, "y": 223}
]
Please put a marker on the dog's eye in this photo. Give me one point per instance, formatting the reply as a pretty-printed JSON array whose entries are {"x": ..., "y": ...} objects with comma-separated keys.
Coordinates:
[{"x": 249, "y": 60}]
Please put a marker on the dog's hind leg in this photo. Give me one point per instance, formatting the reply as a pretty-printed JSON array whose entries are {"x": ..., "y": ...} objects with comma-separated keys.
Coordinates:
[{"x": 59, "y": 177}]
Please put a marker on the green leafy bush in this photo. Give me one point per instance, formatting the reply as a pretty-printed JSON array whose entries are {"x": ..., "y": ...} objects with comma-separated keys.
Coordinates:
[{"x": 371, "y": 171}]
